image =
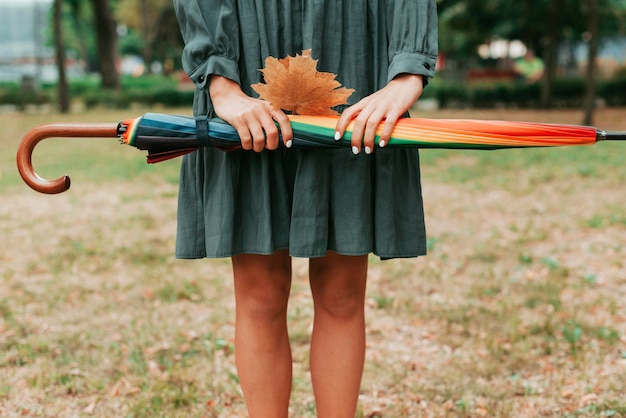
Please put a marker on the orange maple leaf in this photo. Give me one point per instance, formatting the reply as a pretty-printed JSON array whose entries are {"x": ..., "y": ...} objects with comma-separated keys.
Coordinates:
[{"x": 293, "y": 84}]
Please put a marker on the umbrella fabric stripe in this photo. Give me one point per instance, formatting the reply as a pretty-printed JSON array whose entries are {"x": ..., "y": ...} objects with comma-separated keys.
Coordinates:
[
  {"x": 468, "y": 133},
  {"x": 516, "y": 132},
  {"x": 306, "y": 134},
  {"x": 173, "y": 123},
  {"x": 175, "y": 126},
  {"x": 163, "y": 143},
  {"x": 163, "y": 134},
  {"x": 151, "y": 125},
  {"x": 156, "y": 130},
  {"x": 490, "y": 133},
  {"x": 218, "y": 129},
  {"x": 128, "y": 137}
]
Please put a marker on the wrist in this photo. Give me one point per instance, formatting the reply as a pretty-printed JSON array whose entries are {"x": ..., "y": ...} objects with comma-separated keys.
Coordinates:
[
  {"x": 220, "y": 86},
  {"x": 409, "y": 86},
  {"x": 412, "y": 80}
]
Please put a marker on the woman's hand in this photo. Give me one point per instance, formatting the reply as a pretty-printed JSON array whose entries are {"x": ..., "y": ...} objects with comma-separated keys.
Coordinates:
[
  {"x": 252, "y": 118},
  {"x": 388, "y": 104}
]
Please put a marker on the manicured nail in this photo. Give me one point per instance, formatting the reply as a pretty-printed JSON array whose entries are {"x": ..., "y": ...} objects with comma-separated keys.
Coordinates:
[
  {"x": 289, "y": 143},
  {"x": 368, "y": 150},
  {"x": 382, "y": 144},
  {"x": 355, "y": 150},
  {"x": 337, "y": 136}
]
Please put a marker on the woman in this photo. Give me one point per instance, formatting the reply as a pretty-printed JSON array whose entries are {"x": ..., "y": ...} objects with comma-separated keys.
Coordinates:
[{"x": 265, "y": 204}]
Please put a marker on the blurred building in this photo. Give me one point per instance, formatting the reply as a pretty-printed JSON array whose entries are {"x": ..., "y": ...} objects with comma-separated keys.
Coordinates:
[{"x": 24, "y": 49}]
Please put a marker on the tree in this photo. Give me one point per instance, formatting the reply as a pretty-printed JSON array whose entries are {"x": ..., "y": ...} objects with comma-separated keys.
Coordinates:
[
  {"x": 59, "y": 46},
  {"x": 590, "y": 73},
  {"x": 540, "y": 24},
  {"x": 78, "y": 35},
  {"x": 155, "y": 22},
  {"x": 106, "y": 41},
  {"x": 551, "y": 43}
]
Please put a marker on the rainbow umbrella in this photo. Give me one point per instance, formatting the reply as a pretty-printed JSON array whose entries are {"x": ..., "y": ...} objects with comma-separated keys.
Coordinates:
[
  {"x": 166, "y": 136},
  {"x": 169, "y": 136}
]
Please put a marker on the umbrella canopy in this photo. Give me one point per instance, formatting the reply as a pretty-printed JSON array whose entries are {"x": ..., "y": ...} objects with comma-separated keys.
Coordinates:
[{"x": 167, "y": 136}]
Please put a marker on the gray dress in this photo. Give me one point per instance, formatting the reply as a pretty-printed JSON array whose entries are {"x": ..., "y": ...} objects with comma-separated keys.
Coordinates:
[{"x": 306, "y": 201}]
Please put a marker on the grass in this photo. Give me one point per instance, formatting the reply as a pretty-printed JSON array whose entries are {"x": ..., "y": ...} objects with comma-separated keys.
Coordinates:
[
  {"x": 517, "y": 311},
  {"x": 95, "y": 161}
]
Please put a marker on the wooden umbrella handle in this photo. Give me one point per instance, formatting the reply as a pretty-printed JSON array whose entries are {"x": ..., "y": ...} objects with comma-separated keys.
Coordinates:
[{"x": 55, "y": 130}]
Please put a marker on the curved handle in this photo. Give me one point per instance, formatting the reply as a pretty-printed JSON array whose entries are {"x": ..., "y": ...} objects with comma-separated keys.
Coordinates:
[{"x": 55, "y": 130}]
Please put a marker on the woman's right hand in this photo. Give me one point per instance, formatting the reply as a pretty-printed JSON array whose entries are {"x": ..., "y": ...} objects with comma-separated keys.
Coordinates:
[{"x": 252, "y": 118}]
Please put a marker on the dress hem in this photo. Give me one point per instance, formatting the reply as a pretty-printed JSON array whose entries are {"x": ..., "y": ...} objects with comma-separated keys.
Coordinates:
[{"x": 419, "y": 253}]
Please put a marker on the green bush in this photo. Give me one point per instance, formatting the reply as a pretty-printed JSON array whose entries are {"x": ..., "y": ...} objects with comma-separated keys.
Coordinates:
[
  {"x": 149, "y": 91},
  {"x": 173, "y": 98},
  {"x": 614, "y": 90},
  {"x": 83, "y": 85},
  {"x": 526, "y": 95},
  {"x": 152, "y": 82},
  {"x": 163, "y": 91},
  {"x": 449, "y": 95},
  {"x": 20, "y": 97},
  {"x": 123, "y": 99},
  {"x": 566, "y": 93},
  {"x": 106, "y": 98}
]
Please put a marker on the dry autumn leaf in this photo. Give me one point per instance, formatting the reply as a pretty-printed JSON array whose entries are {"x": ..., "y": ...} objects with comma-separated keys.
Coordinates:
[{"x": 293, "y": 84}]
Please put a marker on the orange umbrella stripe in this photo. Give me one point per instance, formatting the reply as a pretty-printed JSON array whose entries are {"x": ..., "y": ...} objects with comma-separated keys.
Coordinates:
[{"x": 498, "y": 133}]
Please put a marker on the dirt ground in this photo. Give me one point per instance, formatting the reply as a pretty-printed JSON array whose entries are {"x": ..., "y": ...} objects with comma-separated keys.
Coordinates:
[{"x": 518, "y": 310}]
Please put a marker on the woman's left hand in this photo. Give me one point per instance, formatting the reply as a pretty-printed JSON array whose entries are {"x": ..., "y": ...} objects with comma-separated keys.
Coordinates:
[{"x": 388, "y": 104}]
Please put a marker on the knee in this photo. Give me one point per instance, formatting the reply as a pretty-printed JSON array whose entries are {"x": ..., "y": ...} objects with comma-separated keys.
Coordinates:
[
  {"x": 338, "y": 285},
  {"x": 265, "y": 302},
  {"x": 263, "y": 295},
  {"x": 340, "y": 301}
]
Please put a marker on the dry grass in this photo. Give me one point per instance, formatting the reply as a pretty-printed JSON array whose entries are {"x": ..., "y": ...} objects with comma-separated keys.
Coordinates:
[{"x": 518, "y": 311}]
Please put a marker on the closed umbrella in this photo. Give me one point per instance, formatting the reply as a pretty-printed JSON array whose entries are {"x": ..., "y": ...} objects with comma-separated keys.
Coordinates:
[{"x": 166, "y": 136}]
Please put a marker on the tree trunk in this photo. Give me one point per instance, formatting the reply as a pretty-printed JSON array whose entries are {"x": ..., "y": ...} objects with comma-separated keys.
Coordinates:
[
  {"x": 147, "y": 25},
  {"x": 63, "y": 88},
  {"x": 590, "y": 93},
  {"x": 106, "y": 41},
  {"x": 550, "y": 54},
  {"x": 78, "y": 24}
]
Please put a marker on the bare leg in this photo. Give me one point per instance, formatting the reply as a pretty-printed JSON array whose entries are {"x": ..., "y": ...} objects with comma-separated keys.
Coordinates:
[
  {"x": 262, "y": 350},
  {"x": 338, "y": 341}
]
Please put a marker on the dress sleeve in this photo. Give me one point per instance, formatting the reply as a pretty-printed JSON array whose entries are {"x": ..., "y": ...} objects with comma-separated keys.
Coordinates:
[
  {"x": 210, "y": 32},
  {"x": 412, "y": 33}
]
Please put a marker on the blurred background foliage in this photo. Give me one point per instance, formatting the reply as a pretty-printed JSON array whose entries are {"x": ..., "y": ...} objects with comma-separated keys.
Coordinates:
[{"x": 119, "y": 52}]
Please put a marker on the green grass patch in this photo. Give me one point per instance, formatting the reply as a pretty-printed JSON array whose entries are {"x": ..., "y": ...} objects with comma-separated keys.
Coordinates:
[{"x": 535, "y": 166}]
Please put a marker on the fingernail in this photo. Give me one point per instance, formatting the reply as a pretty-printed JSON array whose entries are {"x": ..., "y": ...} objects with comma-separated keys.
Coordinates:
[
  {"x": 337, "y": 136},
  {"x": 368, "y": 150},
  {"x": 289, "y": 143},
  {"x": 355, "y": 150},
  {"x": 382, "y": 144}
]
